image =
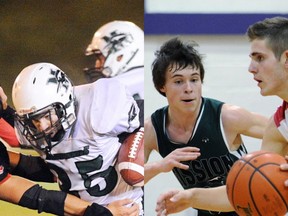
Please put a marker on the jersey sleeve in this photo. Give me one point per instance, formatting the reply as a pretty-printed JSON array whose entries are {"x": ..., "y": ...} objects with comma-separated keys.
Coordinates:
[
  {"x": 114, "y": 110},
  {"x": 4, "y": 163},
  {"x": 281, "y": 119}
]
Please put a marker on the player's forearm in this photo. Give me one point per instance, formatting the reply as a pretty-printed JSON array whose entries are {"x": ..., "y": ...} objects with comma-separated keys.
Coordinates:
[
  {"x": 30, "y": 167},
  {"x": 75, "y": 206},
  {"x": 254, "y": 125},
  {"x": 212, "y": 199},
  {"x": 31, "y": 195},
  {"x": 13, "y": 189},
  {"x": 151, "y": 170}
]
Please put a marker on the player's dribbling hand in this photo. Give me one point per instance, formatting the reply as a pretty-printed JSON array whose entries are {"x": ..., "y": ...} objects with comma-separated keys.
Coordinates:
[
  {"x": 161, "y": 203},
  {"x": 173, "y": 201},
  {"x": 119, "y": 208},
  {"x": 175, "y": 157},
  {"x": 284, "y": 167}
]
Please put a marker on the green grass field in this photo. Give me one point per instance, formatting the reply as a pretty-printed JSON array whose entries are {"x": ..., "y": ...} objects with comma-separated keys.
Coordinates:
[{"x": 8, "y": 209}]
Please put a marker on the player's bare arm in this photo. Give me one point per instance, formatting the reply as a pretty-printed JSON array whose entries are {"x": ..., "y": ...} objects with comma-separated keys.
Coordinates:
[
  {"x": 201, "y": 198},
  {"x": 237, "y": 121},
  {"x": 273, "y": 140},
  {"x": 170, "y": 161},
  {"x": 10, "y": 193},
  {"x": 117, "y": 208},
  {"x": 73, "y": 205},
  {"x": 150, "y": 145}
]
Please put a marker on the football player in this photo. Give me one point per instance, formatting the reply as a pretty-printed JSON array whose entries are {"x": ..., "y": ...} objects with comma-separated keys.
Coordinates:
[
  {"x": 33, "y": 196},
  {"x": 117, "y": 50},
  {"x": 76, "y": 130}
]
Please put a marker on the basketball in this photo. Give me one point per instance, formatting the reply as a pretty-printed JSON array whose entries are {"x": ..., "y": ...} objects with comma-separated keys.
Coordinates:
[{"x": 255, "y": 185}]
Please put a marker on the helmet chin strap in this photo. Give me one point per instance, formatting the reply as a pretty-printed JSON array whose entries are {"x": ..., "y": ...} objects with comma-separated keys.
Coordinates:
[
  {"x": 58, "y": 136},
  {"x": 52, "y": 141}
]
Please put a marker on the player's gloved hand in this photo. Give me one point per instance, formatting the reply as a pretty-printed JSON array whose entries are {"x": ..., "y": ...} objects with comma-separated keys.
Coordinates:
[
  {"x": 284, "y": 167},
  {"x": 120, "y": 208},
  {"x": 98, "y": 210}
]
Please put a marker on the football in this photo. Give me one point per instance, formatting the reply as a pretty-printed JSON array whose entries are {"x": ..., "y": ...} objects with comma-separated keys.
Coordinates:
[{"x": 131, "y": 159}]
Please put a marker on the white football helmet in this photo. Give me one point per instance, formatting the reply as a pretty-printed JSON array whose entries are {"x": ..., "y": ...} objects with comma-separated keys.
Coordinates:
[
  {"x": 116, "y": 47},
  {"x": 41, "y": 89}
]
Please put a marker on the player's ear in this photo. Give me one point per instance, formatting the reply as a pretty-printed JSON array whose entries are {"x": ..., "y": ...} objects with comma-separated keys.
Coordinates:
[{"x": 163, "y": 90}]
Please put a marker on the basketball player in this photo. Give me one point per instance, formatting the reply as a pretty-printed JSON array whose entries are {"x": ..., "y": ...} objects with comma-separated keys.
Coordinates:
[
  {"x": 199, "y": 138},
  {"x": 75, "y": 130},
  {"x": 269, "y": 66},
  {"x": 117, "y": 51}
]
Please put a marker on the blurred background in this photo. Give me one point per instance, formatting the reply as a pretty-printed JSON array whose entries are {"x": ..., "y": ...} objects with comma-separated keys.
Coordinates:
[{"x": 55, "y": 31}]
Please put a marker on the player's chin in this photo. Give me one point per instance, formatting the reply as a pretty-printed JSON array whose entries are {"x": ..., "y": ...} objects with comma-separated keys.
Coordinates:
[{"x": 265, "y": 92}]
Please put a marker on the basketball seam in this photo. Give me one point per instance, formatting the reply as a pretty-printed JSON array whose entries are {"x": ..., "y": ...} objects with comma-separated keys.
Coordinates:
[
  {"x": 234, "y": 182},
  {"x": 261, "y": 173},
  {"x": 267, "y": 179}
]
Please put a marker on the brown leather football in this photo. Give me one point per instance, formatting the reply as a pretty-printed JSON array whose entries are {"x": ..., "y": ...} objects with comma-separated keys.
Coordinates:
[{"x": 131, "y": 159}]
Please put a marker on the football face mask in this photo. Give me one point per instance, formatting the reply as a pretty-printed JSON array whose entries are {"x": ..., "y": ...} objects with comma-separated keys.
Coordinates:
[
  {"x": 95, "y": 63},
  {"x": 43, "y": 128}
]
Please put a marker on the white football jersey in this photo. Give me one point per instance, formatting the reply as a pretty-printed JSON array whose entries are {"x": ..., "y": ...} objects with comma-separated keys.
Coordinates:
[
  {"x": 134, "y": 80},
  {"x": 85, "y": 160}
]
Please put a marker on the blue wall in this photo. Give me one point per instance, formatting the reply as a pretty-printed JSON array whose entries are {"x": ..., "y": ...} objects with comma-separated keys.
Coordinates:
[{"x": 159, "y": 23}]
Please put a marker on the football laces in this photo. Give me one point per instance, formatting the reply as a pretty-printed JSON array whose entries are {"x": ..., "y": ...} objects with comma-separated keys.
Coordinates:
[{"x": 136, "y": 141}]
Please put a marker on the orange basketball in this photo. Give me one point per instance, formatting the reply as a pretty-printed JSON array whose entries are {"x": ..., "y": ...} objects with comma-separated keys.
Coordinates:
[{"x": 255, "y": 185}]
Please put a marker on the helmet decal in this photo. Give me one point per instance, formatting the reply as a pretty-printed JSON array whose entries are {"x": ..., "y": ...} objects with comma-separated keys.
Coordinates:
[
  {"x": 59, "y": 78},
  {"x": 117, "y": 41}
]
